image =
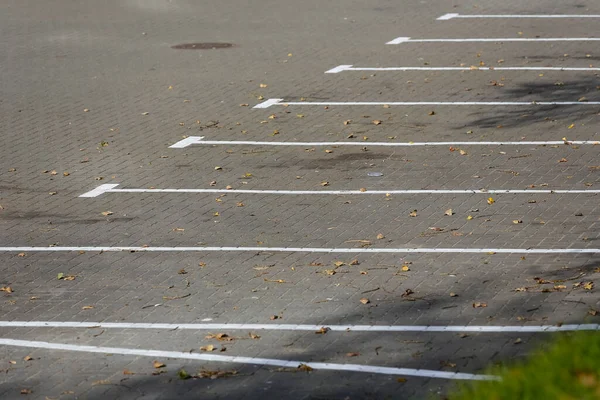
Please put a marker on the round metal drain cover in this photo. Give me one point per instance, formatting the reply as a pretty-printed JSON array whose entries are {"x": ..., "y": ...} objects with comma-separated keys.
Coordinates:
[{"x": 202, "y": 46}]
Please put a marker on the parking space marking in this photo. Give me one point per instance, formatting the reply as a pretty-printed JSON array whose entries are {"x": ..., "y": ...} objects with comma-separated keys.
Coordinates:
[
  {"x": 280, "y": 102},
  {"x": 329, "y": 250},
  {"x": 304, "y": 327},
  {"x": 111, "y": 188},
  {"x": 246, "y": 360},
  {"x": 449, "y": 16},
  {"x": 342, "y": 68},
  {"x": 191, "y": 140},
  {"x": 404, "y": 39}
]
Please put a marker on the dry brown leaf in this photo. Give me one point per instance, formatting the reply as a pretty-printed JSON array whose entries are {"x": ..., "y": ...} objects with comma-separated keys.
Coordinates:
[
  {"x": 27, "y": 358},
  {"x": 158, "y": 364},
  {"x": 380, "y": 236},
  {"x": 449, "y": 212},
  {"x": 208, "y": 348},
  {"x": 352, "y": 354},
  {"x": 253, "y": 336},
  {"x": 479, "y": 305},
  {"x": 106, "y": 213},
  {"x": 304, "y": 367},
  {"x": 376, "y": 122},
  {"x": 324, "y": 183},
  {"x": 128, "y": 372},
  {"x": 329, "y": 272},
  {"x": 354, "y": 262},
  {"x": 322, "y": 331},
  {"x": 87, "y": 307},
  {"x": 364, "y": 300},
  {"x": 6, "y": 289}
]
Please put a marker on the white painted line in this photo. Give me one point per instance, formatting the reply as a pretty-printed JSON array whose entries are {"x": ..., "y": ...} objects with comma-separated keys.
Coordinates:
[
  {"x": 200, "y": 140},
  {"x": 357, "y": 250},
  {"x": 246, "y": 360},
  {"x": 278, "y": 102},
  {"x": 447, "y": 17},
  {"x": 403, "y": 39},
  {"x": 309, "y": 328},
  {"x": 342, "y": 68},
  {"x": 110, "y": 188}
]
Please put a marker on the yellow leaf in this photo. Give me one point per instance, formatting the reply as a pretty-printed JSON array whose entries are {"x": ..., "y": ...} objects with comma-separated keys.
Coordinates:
[
  {"x": 380, "y": 236},
  {"x": 470, "y": 217},
  {"x": 209, "y": 347},
  {"x": 339, "y": 263},
  {"x": 413, "y": 213},
  {"x": 405, "y": 268},
  {"x": 491, "y": 200},
  {"x": 571, "y": 126},
  {"x": 158, "y": 364}
]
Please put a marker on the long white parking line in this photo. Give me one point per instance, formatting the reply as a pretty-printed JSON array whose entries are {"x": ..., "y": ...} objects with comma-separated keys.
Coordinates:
[
  {"x": 280, "y": 102},
  {"x": 449, "y": 16},
  {"x": 351, "y": 250},
  {"x": 342, "y": 68},
  {"x": 191, "y": 140},
  {"x": 309, "y": 328},
  {"x": 246, "y": 360},
  {"x": 405, "y": 39},
  {"x": 110, "y": 188}
]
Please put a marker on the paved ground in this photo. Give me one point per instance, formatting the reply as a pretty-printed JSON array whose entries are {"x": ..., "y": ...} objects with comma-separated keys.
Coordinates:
[{"x": 92, "y": 93}]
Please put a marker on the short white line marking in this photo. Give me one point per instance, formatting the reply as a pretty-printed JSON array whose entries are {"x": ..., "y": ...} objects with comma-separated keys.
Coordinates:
[
  {"x": 446, "y": 17},
  {"x": 110, "y": 188},
  {"x": 403, "y": 39},
  {"x": 191, "y": 140},
  {"x": 246, "y": 360},
  {"x": 342, "y": 68},
  {"x": 301, "y": 327},
  {"x": 296, "y": 249},
  {"x": 278, "y": 102}
]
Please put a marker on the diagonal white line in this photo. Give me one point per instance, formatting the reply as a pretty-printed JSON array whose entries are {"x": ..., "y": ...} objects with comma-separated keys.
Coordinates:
[{"x": 246, "y": 360}]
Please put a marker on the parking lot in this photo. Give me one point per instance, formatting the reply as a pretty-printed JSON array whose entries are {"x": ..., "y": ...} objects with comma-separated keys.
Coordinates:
[{"x": 303, "y": 200}]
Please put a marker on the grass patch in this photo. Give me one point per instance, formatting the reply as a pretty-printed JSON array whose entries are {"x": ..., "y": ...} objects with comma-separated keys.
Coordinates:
[{"x": 568, "y": 369}]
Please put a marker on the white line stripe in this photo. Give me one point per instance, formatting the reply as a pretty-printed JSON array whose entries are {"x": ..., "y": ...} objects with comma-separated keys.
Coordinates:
[
  {"x": 300, "y": 327},
  {"x": 110, "y": 189},
  {"x": 446, "y": 17},
  {"x": 246, "y": 360},
  {"x": 404, "y": 39},
  {"x": 342, "y": 68},
  {"x": 191, "y": 140},
  {"x": 357, "y": 250},
  {"x": 278, "y": 102}
]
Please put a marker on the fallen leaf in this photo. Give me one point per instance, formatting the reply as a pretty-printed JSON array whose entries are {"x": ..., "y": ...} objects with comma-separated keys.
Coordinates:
[
  {"x": 101, "y": 382},
  {"x": 263, "y": 85},
  {"x": 87, "y": 307},
  {"x": 588, "y": 285},
  {"x": 364, "y": 300},
  {"x": 275, "y": 280},
  {"x": 354, "y": 262},
  {"x": 463, "y": 152},
  {"x": 26, "y": 391},
  {"x": 106, "y": 213},
  {"x": 178, "y": 229},
  {"x": 183, "y": 375},
  {"x": 470, "y": 217},
  {"x": 413, "y": 213},
  {"x": 324, "y": 183},
  {"x": 66, "y": 173},
  {"x": 27, "y": 358},
  {"x": 593, "y": 312},
  {"x": 405, "y": 268},
  {"x": 517, "y": 221},
  {"x": 223, "y": 337},
  {"x": 452, "y": 294},
  {"x": 517, "y": 341},
  {"x": 182, "y": 271},
  {"x": 304, "y": 367},
  {"x": 218, "y": 168},
  {"x": 380, "y": 236},
  {"x": 479, "y": 305},
  {"x": 253, "y": 336},
  {"x": 158, "y": 364},
  {"x": 449, "y": 212},
  {"x": 491, "y": 200},
  {"x": 128, "y": 372},
  {"x": 431, "y": 113},
  {"x": 322, "y": 331},
  {"x": 274, "y": 317},
  {"x": 352, "y": 354},
  {"x": 339, "y": 263},
  {"x": 376, "y": 122},
  {"x": 400, "y": 380},
  {"x": 209, "y": 348},
  {"x": 329, "y": 271},
  {"x": 6, "y": 289}
]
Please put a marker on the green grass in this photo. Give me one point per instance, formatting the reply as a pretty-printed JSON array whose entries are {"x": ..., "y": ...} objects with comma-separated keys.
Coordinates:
[{"x": 567, "y": 369}]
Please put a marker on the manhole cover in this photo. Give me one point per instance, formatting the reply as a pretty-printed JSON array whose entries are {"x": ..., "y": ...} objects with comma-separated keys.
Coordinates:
[{"x": 202, "y": 46}]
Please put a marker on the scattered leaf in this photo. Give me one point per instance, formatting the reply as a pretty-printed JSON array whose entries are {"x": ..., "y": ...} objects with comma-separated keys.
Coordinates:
[
  {"x": 106, "y": 213},
  {"x": 324, "y": 183},
  {"x": 517, "y": 221},
  {"x": 354, "y": 262},
  {"x": 491, "y": 200},
  {"x": 208, "y": 348},
  {"x": 182, "y": 374},
  {"x": 158, "y": 364},
  {"x": 253, "y": 335},
  {"x": 452, "y": 294},
  {"x": 470, "y": 217},
  {"x": 588, "y": 285},
  {"x": 352, "y": 354},
  {"x": 26, "y": 391},
  {"x": 405, "y": 268},
  {"x": 87, "y": 307},
  {"x": 304, "y": 367},
  {"x": 364, "y": 300},
  {"x": 274, "y": 317},
  {"x": 376, "y": 122},
  {"x": 449, "y": 212},
  {"x": 6, "y": 289},
  {"x": 380, "y": 236},
  {"x": 517, "y": 341},
  {"x": 339, "y": 263},
  {"x": 322, "y": 331},
  {"x": 128, "y": 372},
  {"x": 479, "y": 305},
  {"x": 413, "y": 213},
  {"x": 401, "y": 380}
]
